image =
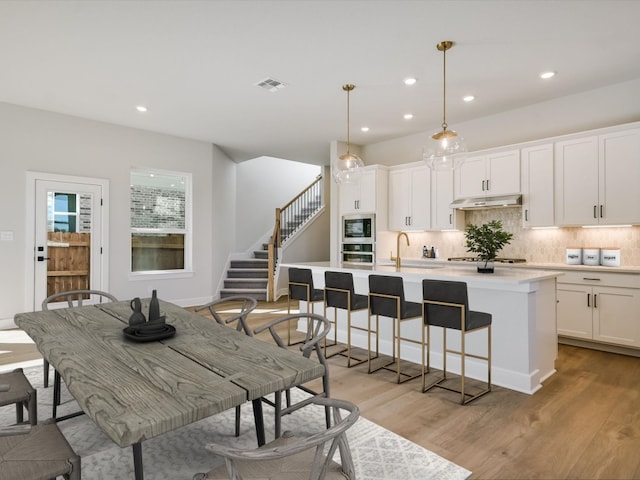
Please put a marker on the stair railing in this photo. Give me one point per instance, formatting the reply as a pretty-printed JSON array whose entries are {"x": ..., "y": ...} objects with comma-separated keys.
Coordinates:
[{"x": 290, "y": 218}]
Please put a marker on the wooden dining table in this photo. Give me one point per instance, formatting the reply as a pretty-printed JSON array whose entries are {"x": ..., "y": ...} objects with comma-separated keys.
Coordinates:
[{"x": 134, "y": 391}]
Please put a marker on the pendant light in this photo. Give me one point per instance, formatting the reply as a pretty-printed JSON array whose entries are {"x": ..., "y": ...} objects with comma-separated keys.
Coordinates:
[
  {"x": 347, "y": 168},
  {"x": 442, "y": 152}
]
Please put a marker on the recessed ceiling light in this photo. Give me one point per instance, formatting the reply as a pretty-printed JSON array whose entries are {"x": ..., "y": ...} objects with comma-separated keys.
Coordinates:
[
  {"x": 141, "y": 108},
  {"x": 408, "y": 116},
  {"x": 410, "y": 81},
  {"x": 364, "y": 129},
  {"x": 468, "y": 98},
  {"x": 546, "y": 75}
]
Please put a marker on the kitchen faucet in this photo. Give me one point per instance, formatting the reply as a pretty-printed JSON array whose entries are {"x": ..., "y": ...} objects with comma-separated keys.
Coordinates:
[{"x": 398, "y": 247}]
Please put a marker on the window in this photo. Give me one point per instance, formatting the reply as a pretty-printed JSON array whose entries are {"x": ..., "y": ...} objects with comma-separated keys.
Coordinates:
[{"x": 160, "y": 221}]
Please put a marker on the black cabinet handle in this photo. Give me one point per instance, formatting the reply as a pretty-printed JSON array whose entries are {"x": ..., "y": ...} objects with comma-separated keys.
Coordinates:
[
  {"x": 450, "y": 219},
  {"x": 595, "y": 211},
  {"x": 601, "y": 213},
  {"x": 526, "y": 215},
  {"x": 588, "y": 299},
  {"x": 488, "y": 186},
  {"x": 595, "y": 300}
]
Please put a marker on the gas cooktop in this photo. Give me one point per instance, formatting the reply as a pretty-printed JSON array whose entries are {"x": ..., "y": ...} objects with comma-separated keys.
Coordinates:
[{"x": 476, "y": 259}]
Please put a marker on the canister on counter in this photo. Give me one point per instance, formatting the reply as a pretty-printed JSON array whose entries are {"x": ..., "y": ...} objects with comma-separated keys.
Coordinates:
[
  {"x": 610, "y": 257},
  {"x": 574, "y": 256},
  {"x": 591, "y": 256}
]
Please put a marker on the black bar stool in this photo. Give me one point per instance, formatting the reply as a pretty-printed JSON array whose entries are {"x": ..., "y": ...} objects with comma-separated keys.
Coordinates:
[
  {"x": 446, "y": 305},
  {"x": 386, "y": 298},
  {"x": 301, "y": 289},
  {"x": 339, "y": 293}
]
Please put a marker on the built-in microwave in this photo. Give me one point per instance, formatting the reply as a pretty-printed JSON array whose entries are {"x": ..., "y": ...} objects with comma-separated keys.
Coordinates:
[{"x": 359, "y": 228}]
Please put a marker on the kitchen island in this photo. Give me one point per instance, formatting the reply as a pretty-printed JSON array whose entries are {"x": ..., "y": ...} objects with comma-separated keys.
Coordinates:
[{"x": 521, "y": 301}]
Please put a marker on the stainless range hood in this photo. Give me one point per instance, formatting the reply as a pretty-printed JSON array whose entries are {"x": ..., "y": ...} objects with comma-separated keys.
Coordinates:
[{"x": 479, "y": 203}]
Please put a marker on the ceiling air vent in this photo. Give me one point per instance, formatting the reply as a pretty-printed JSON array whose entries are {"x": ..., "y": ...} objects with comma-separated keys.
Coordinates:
[{"x": 271, "y": 84}]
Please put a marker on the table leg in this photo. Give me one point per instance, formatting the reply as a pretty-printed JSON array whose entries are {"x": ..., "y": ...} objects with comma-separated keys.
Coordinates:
[
  {"x": 137, "y": 461},
  {"x": 259, "y": 420}
]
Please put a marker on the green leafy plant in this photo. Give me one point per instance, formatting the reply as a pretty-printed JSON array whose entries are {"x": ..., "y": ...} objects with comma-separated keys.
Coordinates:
[{"x": 487, "y": 239}]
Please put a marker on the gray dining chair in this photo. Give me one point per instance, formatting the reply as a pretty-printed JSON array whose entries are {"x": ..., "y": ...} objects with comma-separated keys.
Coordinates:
[
  {"x": 245, "y": 305},
  {"x": 72, "y": 298},
  {"x": 291, "y": 457},
  {"x": 319, "y": 328},
  {"x": 16, "y": 389}
]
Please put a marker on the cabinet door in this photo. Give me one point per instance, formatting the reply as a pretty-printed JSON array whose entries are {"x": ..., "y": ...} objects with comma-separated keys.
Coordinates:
[
  {"x": 420, "y": 198},
  {"x": 349, "y": 197},
  {"x": 442, "y": 217},
  {"x": 619, "y": 178},
  {"x": 503, "y": 173},
  {"x": 616, "y": 315},
  {"x": 576, "y": 177},
  {"x": 399, "y": 212},
  {"x": 368, "y": 192},
  {"x": 574, "y": 311},
  {"x": 537, "y": 186},
  {"x": 471, "y": 178}
]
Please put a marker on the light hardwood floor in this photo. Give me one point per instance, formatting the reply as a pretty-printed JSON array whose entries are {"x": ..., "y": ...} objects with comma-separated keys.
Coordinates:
[{"x": 583, "y": 424}]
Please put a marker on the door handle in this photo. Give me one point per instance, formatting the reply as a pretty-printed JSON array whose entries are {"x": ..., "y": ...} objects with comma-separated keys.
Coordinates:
[
  {"x": 595, "y": 300},
  {"x": 601, "y": 215},
  {"x": 42, "y": 258},
  {"x": 588, "y": 300}
]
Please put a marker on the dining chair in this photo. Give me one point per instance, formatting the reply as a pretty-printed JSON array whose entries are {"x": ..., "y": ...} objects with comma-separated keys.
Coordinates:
[
  {"x": 386, "y": 299},
  {"x": 245, "y": 305},
  {"x": 339, "y": 294},
  {"x": 36, "y": 452},
  {"x": 291, "y": 457},
  {"x": 73, "y": 298},
  {"x": 301, "y": 288},
  {"x": 319, "y": 329},
  {"x": 16, "y": 389},
  {"x": 446, "y": 305}
]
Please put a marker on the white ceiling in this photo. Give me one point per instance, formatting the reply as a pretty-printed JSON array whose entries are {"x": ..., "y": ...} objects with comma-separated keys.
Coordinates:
[{"x": 195, "y": 64}]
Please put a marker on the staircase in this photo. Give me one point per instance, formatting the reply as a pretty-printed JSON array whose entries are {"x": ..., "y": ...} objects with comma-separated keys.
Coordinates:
[{"x": 250, "y": 276}]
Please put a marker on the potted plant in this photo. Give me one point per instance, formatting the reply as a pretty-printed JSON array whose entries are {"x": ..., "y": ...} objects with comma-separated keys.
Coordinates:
[{"x": 486, "y": 241}]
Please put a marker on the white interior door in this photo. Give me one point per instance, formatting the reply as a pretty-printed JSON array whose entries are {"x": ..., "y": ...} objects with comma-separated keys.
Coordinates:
[{"x": 69, "y": 250}]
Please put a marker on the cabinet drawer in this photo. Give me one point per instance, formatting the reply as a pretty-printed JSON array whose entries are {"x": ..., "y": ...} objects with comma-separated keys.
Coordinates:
[{"x": 595, "y": 278}]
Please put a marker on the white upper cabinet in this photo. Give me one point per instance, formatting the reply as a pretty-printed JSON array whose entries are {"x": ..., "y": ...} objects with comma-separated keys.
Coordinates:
[
  {"x": 537, "y": 186},
  {"x": 444, "y": 217},
  {"x": 368, "y": 195},
  {"x": 597, "y": 179},
  {"x": 409, "y": 198},
  {"x": 488, "y": 175}
]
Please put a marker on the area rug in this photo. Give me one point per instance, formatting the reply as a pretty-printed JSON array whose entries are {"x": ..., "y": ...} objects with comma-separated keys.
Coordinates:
[{"x": 378, "y": 454}]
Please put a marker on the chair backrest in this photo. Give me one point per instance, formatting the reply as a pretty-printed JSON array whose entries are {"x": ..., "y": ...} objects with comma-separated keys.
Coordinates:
[
  {"x": 319, "y": 461},
  {"x": 246, "y": 306},
  {"x": 300, "y": 283},
  {"x": 452, "y": 303},
  {"x": 336, "y": 285},
  {"x": 381, "y": 288},
  {"x": 76, "y": 298}
]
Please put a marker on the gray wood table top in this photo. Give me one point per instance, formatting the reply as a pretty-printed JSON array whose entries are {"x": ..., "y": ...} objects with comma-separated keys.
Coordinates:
[{"x": 134, "y": 391}]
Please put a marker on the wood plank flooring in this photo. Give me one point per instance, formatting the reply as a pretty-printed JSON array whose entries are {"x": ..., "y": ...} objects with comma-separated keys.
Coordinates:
[{"x": 583, "y": 424}]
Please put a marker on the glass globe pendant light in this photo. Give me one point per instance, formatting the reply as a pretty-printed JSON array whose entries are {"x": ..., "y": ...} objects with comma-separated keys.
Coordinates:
[
  {"x": 445, "y": 146},
  {"x": 347, "y": 168}
]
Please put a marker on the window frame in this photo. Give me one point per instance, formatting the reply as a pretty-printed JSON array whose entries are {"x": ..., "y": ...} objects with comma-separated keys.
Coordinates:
[{"x": 187, "y": 271}]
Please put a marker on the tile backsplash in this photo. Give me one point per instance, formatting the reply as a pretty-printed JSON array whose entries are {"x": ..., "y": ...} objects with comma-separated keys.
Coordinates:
[{"x": 537, "y": 246}]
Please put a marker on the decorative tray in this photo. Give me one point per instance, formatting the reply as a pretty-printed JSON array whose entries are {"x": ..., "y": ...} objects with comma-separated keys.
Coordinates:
[{"x": 149, "y": 332}]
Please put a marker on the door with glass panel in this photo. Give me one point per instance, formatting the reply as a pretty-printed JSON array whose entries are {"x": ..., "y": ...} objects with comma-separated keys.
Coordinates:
[{"x": 68, "y": 238}]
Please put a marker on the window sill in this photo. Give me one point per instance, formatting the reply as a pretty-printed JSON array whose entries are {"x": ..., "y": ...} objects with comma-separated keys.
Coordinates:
[{"x": 157, "y": 274}]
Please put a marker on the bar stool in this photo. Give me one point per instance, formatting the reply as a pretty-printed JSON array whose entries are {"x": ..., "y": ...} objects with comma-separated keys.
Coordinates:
[
  {"x": 301, "y": 289},
  {"x": 16, "y": 389},
  {"x": 386, "y": 298},
  {"x": 446, "y": 305},
  {"x": 339, "y": 293}
]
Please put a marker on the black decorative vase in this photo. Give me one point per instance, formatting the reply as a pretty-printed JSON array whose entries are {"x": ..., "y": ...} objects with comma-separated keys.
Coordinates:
[
  {"x": 485, "y": 266},
  {"x": 154, "y": 307}
]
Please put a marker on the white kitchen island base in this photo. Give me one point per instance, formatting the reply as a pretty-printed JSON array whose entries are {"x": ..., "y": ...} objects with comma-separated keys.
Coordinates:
[{"x": 522, "y": 303}]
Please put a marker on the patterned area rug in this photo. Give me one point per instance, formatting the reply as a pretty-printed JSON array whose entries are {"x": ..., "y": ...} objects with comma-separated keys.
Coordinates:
[{"x": 378, "y": 453}]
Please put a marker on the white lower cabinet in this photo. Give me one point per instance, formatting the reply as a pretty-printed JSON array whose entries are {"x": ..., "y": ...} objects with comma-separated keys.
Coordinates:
[{"x": 600, "y": 307}]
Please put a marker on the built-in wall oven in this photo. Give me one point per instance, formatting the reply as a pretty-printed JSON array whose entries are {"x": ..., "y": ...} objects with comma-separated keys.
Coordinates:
[{"x": 358, "y": 239}]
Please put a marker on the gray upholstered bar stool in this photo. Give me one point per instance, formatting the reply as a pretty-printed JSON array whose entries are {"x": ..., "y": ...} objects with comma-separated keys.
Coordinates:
[
  {"x": 446, "y": 305},
  {"x": 339, "y": 293},
  {"x": 386, "y": 298},
  {"x": 301, "y": 289}
]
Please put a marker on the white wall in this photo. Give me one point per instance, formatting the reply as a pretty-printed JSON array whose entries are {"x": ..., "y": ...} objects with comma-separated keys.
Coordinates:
[
  {"x": 263, "y": 184},
  {"x": 34, "y": 140},
  {"x": 603, "y": 107}
]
